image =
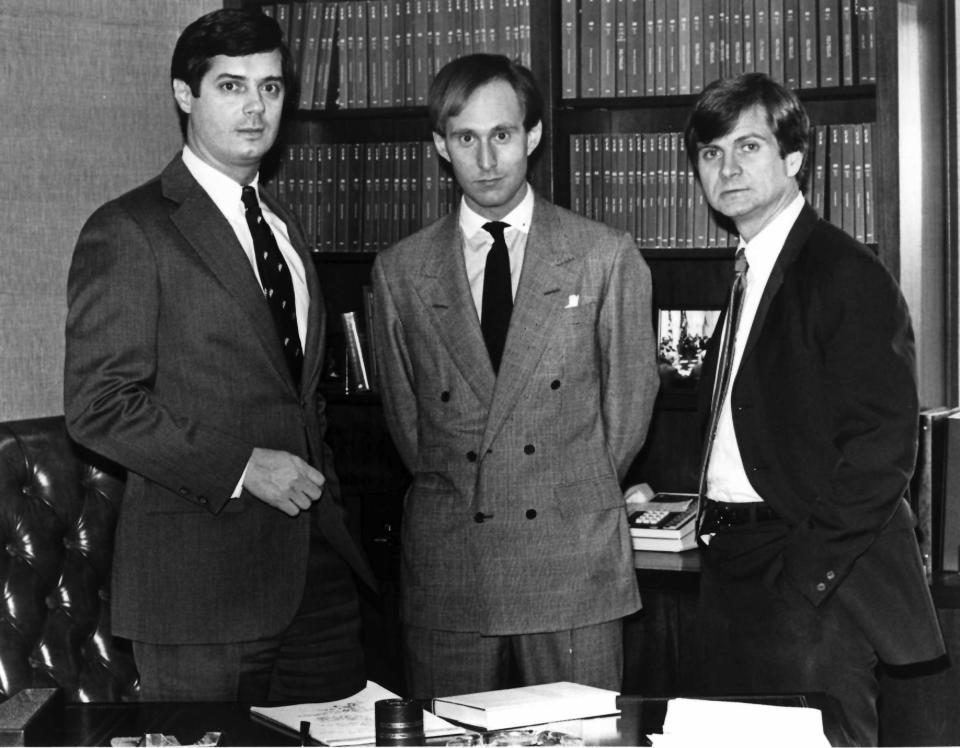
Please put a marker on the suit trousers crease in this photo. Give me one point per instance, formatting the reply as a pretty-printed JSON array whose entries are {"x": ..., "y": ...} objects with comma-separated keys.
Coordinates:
[{"x": 318, "y": 657}]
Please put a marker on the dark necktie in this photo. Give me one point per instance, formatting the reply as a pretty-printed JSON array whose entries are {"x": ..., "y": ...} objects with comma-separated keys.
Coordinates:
[
  {"x": 721, "y": 379},
  {"x": 276, "y": 281},
  {"x": 497, "y": 295}
]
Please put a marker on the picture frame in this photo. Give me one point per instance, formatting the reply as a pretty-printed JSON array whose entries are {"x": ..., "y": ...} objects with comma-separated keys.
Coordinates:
[{"x": 682, "y": 339}]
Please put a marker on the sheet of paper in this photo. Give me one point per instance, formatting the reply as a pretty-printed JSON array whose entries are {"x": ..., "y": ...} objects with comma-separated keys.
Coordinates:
[
  {"x": 734, "y": 723},
  {"x": 350, "y": 721}
]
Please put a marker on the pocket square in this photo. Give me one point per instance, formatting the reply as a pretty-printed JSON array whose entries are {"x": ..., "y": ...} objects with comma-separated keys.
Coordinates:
[{"x": 573, "y": 301}]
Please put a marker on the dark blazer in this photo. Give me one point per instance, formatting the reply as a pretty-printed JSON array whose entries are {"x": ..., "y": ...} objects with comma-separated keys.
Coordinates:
[
  {"x": 825, "y": 412},
  {"x": 174, "y": 371},
  {"x": 515, "y": 521}
]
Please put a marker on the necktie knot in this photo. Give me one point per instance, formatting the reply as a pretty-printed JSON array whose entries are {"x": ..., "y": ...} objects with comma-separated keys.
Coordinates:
[
  {"x": 248, "y": 196},
  {"x": 496, "y": 229},
  {"x": 740, "y": 264}
]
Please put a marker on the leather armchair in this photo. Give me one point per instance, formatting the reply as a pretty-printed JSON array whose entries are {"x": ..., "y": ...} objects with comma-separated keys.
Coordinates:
[{"x": 58, "y": 510}]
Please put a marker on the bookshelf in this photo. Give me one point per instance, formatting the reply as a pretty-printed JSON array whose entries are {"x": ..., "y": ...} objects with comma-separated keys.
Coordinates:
[{"x": 614, "y": 72}]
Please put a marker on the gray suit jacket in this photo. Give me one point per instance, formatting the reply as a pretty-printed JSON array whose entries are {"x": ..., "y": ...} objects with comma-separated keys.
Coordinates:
[
  {"x": 515, "y": 519},
  {"x": 174, "y": 371}
]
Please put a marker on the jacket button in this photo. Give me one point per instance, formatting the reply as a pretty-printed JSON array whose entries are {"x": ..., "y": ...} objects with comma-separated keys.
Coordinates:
[
  {"x": 531, "y": 513},
  {"x": 445, "y": 396},
  {"x": 479, "y": 517},
  {"x": 529, "y": 449},
  {"x": 202, "y": 500},
  {"x": 471, "y": 456},
  {"x": 555, "y": 384},
  {"x": 821, "y": 587},
  {"x": 831, "y": 575}
]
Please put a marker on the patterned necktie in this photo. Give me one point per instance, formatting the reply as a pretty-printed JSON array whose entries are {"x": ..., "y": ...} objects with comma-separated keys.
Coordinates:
[
  {"x": 497, "y": 295},
  {"x": 721, "y": 379},
  {"x": 276, "y": 281}
]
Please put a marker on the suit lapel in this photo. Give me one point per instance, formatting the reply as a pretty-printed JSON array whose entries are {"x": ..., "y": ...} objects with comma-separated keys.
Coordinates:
[
  {"x": 535, "y": 314},
  {"x": 795, "y": 242},
  {"x": 445, "y": 293},
  {"x": 204, "y": 227}
]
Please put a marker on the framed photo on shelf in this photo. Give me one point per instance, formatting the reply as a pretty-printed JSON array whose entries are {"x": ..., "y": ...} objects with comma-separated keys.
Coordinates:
[{"x": 682, "y": 338}]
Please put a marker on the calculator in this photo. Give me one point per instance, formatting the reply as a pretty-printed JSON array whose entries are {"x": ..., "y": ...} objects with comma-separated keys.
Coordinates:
[{"x": 674, "y": 511}]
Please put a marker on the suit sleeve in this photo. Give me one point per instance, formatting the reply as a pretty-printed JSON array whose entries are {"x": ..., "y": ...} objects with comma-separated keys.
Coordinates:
[
  {"x": 111, "y": 406},
  {"x": 870, "y": 387},
  {"x": 396, "y": 373},
  {"x": 628, "y": 352}
]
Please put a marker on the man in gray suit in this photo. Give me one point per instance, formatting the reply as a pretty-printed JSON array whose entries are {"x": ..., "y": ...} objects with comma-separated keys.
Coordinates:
[
  {"x": 232, "y": 566},
  {"x": 519, "y": 373}
]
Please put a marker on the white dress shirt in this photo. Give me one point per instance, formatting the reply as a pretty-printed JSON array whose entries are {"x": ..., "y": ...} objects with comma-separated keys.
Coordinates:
[
  {"x": 477, "y": 242},
  {"x": 726, "y": 477},
  {"x": 225, "y": 194}
]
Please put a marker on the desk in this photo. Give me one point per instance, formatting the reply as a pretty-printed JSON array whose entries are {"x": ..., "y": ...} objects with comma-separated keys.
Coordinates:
[{"x": 96, "y": 724}]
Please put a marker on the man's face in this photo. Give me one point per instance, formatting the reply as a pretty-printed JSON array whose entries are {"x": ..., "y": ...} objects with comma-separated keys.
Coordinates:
[
  {"x": 235, "y": 119},
  {"x": 488, "y": 147},
  {"x": 743, "y": 175}
]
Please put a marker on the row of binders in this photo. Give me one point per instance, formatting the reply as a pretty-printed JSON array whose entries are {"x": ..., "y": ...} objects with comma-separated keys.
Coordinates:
[
  {"x": 643, "y": 183},
  {"x": 357, "y": 54},
  {"x": 625, "y": 48},
  {"x": 363, "y": 197}
]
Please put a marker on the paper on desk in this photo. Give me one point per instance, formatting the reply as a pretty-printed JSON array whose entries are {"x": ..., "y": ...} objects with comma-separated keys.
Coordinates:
[
  {"x": 349, "y": 721},
  {"x": 701, "y": 722}
]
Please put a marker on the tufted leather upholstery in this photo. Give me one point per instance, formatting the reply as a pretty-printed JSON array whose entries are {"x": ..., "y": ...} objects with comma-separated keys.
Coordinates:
[{"x": 58, "y": 509}]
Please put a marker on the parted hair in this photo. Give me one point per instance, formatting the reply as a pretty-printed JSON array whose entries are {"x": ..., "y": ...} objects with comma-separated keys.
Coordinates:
[
  {"x": 458, "y": 79},
  {"x": 720, "y": 105},
  {"x": 232, "y": 32}
]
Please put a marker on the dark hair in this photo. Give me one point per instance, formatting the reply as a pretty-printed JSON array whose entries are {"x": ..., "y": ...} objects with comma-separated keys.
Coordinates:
[
  {"x": 230, "y": 32},
  {"x": 457, "y": 81},
  {"x": 720, "y": 105}
]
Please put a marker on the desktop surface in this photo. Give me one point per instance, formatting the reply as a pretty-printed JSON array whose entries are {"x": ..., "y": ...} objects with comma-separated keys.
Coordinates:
[{"x": 97, "y": 724}]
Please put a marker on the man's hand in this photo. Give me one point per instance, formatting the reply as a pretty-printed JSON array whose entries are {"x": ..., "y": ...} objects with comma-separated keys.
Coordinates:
[{"x": 283, "y": 480}]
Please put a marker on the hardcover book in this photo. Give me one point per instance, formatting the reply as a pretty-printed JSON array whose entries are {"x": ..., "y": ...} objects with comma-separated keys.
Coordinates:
[{"x": 527, "y": 705}]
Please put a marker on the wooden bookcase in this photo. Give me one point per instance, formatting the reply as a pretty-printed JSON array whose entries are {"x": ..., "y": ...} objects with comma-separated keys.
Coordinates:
[{"x": 683, "y": 278}]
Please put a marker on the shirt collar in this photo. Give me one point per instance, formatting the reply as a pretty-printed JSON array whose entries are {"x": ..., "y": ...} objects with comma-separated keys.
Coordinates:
[
  {"x": 223, "y": 190},
  {"x": 519, "y": 218},
  {"x": 763, "y": 250}
]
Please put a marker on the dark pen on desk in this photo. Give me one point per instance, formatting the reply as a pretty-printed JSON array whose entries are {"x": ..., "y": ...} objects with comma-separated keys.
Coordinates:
[{"x": 304, "y": 732}]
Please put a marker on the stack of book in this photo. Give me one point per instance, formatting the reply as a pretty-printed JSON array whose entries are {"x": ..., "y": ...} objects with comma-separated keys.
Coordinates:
[{"x": 663, "y": 523}]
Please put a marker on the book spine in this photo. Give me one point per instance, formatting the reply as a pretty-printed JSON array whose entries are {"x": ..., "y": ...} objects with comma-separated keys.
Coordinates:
[
  {"x": 590, "y": 33},
  {"x": 696, "y": 46},
  {"x": 622, "y": 22},
  {"x": 809, "y": 62},
  {"x": 791, "y": 44},
  {"x": 868, "y": 190},
  {"x": 830, "y": 47},
  {"x": 711, "y": 41},
  {"x": 608, "y": 48},
  {"x": 570, "y": 49},
  {"x": 635, "y": 51},
  {"x": 761, "y": 37},
  {"x": 777, "y": 58},
  {"x": 848, "y": 73}
]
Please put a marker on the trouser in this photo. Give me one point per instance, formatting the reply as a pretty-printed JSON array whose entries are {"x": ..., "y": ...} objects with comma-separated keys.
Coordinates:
[
  {"x": 757, "y": 634},
  {"x": 445, "y": 663},
  {"x": 318, "y": 657}
]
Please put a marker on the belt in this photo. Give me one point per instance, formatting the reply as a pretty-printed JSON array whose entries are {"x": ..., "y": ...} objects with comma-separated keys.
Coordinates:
[{"x": 726, "y": 514}]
